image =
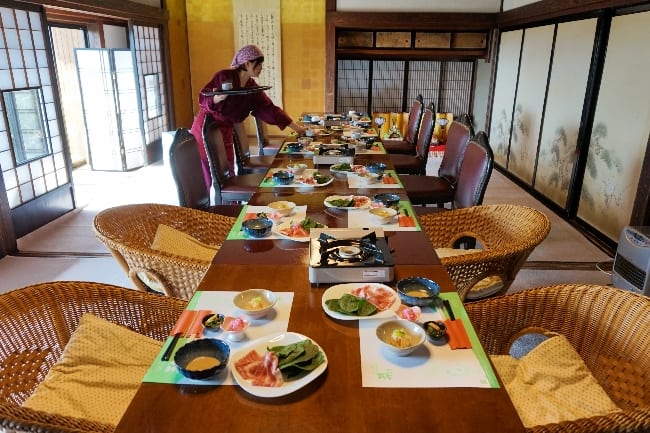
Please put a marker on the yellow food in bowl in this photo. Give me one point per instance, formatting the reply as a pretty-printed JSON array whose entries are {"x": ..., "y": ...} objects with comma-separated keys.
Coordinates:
[{"x": 284, "y": 208}]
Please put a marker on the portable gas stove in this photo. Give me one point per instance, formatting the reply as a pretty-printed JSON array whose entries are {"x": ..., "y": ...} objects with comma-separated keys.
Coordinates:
[
  {"x": 327, "y": 155},
  {"x": 349, "y": 255}
]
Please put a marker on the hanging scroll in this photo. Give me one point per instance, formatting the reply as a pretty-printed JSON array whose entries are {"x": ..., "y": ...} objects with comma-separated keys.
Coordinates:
[{"x": 258, "y": 23}]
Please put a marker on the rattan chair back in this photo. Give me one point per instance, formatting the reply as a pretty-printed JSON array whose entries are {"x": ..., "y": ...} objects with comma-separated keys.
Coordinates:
[
  {"x": 608, "y": 327},
  {"x": 36, "y": 324},
  {"x": 128, "y": 232},
  {"x": 506, "y": 233}
]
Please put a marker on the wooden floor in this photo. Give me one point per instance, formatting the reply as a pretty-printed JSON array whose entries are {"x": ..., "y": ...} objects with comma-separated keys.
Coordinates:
[{"x": 67, "y": 249}]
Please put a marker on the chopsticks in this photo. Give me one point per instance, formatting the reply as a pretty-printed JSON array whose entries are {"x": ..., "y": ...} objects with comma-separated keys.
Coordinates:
[
  {"x": 450, "y": 313},
  {"x": 188, "y": 324},
  {"x": 170, "y": 348}
]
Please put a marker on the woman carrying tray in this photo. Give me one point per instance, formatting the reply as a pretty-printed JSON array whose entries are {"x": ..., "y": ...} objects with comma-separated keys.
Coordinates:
[{"x": 230, "y": 109}]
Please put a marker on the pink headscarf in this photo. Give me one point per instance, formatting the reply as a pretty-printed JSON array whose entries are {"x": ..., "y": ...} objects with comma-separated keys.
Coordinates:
[{"x": 246, "y": 54}]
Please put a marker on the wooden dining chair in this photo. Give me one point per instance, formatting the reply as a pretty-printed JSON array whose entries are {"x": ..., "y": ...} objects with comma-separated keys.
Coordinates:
[
  {"x": 228, "y": 187},
  {"x": 247, "y": 163},
  {"x": 407, "y": 146},
  {"x": 185, "y": 164},
  {"x": 417, "y": 164},
  {"x": 441, "y": 189},
  {"x": 265, "y": 144}
]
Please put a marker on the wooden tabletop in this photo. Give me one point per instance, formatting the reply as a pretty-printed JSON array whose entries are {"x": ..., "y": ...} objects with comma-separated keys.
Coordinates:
[{"x": 336, "y": 401}]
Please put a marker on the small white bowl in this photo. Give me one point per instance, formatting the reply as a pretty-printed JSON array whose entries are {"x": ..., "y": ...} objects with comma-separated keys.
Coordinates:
[
  {"x": 282, "y": 207},
  {"x": 305, "y": 141},
  {"x": 235, "y": 328},
  {"x": 255, "y": 303},
  {"x": 296, "y": 168},
  {"x": 400, "y": 337},
  {"x": 368, "y": 178},
  {"x": 383, "y": 215}
]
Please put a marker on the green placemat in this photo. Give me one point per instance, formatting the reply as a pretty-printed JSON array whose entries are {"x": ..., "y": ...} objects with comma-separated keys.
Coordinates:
[{"x": 460, "y": 313}]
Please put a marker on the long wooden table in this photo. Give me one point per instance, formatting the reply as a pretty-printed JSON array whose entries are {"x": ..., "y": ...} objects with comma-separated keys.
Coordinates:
[{"x": 335, "y": 401}]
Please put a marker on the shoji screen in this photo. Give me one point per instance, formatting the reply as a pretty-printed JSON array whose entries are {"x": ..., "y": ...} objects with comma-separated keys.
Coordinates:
[
  {"x": 566, "y": 94},
  {"x": 504, "y": 95},
  {"x": 621, "y": 127}
]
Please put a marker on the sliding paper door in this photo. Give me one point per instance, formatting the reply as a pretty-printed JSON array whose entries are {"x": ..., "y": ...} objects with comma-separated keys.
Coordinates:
[{"x": 621, "y": 127}]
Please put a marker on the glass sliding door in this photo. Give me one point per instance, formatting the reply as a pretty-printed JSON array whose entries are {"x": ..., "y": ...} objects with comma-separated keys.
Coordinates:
[{"x": 110, "y": 98}]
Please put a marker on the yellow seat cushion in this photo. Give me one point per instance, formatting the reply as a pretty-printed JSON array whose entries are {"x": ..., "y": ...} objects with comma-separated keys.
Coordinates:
[
  {"x": 484, "y": 288},
  {"x": 551, "y": 384},
  {"x": 173, "y": 241},
  {"x": 98, "y": 373}
]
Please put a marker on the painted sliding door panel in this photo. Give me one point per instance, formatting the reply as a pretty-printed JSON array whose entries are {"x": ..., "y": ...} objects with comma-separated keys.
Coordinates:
[
  {"x": 566, "y": 94},
  {"x": 504, "y": 94},
  {"x": 529, "y": 105},
  {"x": 621, "y": 128}
]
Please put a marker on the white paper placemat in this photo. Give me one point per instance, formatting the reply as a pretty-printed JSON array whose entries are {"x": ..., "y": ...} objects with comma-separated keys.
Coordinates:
[
  {"x": 429, "y": 366},
  {"x": 221, "y": 302},
  {"x": 354, "y": 182},
  {"x": 361, "y": 218}
]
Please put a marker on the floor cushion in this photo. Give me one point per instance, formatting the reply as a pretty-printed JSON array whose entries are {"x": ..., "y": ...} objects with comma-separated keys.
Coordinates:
[
  {"x": 98, "y": 373},
  {"x": 551, "y": 383}
]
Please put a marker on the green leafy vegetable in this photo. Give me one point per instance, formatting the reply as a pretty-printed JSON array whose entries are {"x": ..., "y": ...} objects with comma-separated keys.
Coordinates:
[
  {"x": 351, "y": 305},
  {"x": 296, "y": 358},
  {"x": 309, "y": 223}
]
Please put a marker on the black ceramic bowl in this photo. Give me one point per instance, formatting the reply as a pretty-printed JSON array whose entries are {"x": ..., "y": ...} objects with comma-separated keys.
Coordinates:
[
  {"x": 203, "y": 358},
  {"x": 418, "y": 291},
  {"x": 376, "y": 167},
  {"x": 257, "y": 227},
  {"x": 389, "y": 200},
  {"x": 294, "y": 146},
  {"x": 282, "y": 177}
]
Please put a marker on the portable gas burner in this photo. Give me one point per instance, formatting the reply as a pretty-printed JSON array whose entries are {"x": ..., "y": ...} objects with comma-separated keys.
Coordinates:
[
  {"x": 349, "y": 255},
  {"x": 327, "y": 155}
]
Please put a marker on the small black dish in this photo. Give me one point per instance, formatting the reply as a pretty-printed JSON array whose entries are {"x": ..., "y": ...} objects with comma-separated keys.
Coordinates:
[
  {"x": 257, "y": 227},
  {"x": 388, "y": 200},
  {"x": 282, "y": 177},
  {"x": 203, "y": 358},
  {"x": 294, "y": 146},
  {"x": 213, "y": 321},
  {"x": 435, "y": 329}
]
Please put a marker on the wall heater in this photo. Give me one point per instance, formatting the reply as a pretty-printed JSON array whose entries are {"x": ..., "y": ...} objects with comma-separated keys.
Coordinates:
[{"x": 632, "y": 261}]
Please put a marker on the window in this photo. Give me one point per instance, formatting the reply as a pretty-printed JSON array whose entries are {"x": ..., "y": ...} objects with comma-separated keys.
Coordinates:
[
  {"x": 152, "y": 88},
  {"x": 391, "y": 85},
  {"x": 26, "y": 126}
]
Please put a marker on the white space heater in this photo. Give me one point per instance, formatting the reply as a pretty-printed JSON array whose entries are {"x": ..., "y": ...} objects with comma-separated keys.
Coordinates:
[{"x": 632, "y": 262}]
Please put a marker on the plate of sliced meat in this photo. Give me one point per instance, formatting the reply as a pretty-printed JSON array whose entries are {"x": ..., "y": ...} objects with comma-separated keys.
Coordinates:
[
  {"x": 278, "y": 364},
  {"x": 350, "y": 301}
]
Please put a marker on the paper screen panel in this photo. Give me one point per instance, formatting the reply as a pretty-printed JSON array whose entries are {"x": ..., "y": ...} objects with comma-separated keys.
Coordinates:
[
  {"x": 566, "y": 93},
  {"x": 504, "y": 94},
  {"x": 621, "y": 128},
  {"x": 529, "y": 106}
]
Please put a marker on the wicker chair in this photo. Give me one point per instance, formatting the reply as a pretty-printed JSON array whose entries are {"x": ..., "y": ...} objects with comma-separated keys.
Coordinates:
[
  {"x": 608, "y": 327},
  {"x": 28, "y": 352},
  {"x": 128, "y": 232},
  {"x": 507, "y": 234}
]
